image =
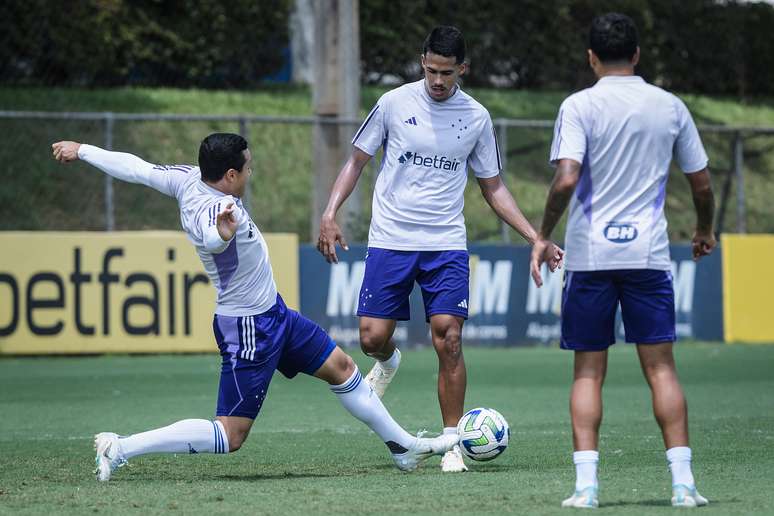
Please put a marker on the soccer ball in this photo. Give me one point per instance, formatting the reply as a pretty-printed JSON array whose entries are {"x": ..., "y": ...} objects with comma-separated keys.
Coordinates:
[{"x": 484, "y": 434}]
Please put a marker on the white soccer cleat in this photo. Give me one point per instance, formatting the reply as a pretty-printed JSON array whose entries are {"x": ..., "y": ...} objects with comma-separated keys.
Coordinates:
[
  {"x": 584, "y": 499},
  {"x": 379, "y": 377},
  {"x": 422, "y": 449},
  {"x": 109, "y": 456},
  {"x": 687, "y": 496},
  {"x": 452, "y": 461}
]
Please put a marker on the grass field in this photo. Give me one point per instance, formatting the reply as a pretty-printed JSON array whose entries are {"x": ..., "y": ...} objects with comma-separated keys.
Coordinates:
[{"x": 307, "y": 456}]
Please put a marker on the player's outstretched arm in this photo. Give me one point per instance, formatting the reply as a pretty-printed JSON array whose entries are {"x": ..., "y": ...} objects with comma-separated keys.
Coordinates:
[
  {"x": 330, "y": 232},
  {"x": 120, "y": 165},
  {"x": 562, "y": 187},
  {"x": 704, "y": 201}
]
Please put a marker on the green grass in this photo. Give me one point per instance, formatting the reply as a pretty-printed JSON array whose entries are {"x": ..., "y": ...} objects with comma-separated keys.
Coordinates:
[
  {"x": 307, "y": 456},
  {"x": 72, "y": 199}
]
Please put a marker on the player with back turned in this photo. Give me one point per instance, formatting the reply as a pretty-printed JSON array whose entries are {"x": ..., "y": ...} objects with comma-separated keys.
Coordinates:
[
  {"x": 254, "y": 330},
  {"x": 612, "y": 148}
]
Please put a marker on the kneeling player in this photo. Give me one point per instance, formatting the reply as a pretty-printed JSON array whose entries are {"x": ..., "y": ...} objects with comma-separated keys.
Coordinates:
[{"x": 256, "y": 333}]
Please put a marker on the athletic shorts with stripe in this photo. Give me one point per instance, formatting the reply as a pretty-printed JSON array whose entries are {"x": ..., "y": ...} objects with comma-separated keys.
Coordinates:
[{"x": 253, "y": 347}]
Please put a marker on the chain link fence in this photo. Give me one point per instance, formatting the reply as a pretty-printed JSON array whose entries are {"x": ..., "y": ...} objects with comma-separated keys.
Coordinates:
[{"x": 39, "y": 194}]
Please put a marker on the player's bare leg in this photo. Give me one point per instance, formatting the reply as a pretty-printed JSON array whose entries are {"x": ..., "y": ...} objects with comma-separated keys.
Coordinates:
[
  {"x": 237, "y": 429},
  {"x": 376, "y": 337},
  {"x": 340, "y": 371},
  {"x": 669, "y": 406},
  {"x": 671, "y": 411},
  {"x": 446, "y": 331},
  {"x": 586, "y": 398},
  {"x": 376, "y": 341},
  {"x": 586, "y": 413}
]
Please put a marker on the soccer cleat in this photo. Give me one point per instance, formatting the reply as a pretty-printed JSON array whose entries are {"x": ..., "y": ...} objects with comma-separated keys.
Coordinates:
[
  {"x": 452, "y": 461},
  {"x": 109, "y": 456},
  {"x": 584, "y": 499},
  {"x": 687, "y": 496},
  {"x": 423, "y": 448},
  {"x": 379, "y": 377}
]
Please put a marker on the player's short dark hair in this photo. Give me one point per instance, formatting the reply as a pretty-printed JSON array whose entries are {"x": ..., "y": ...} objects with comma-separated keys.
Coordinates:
[
  {"x": 613, "y": 37},
  {"x": 446, "y": 41},
  {"x": 220, "y": 152}
]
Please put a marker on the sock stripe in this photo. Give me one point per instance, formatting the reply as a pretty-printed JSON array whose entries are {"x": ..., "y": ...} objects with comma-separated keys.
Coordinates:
[
  {"x": 219, "y": 444},
  {"x": 350, "y": 386},
  {"x": 215, "y": 431}
]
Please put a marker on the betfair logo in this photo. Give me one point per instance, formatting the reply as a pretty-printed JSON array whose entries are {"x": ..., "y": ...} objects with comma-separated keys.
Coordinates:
[{"x": 436, "y": 162}]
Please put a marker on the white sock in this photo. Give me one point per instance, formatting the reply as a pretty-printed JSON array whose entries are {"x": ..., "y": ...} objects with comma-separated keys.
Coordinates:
[
  {"x": 393, "y": 361},
  {"x": 360, "y": 401},
  {"x": 585, "y": 468},
  {"x": 186, "y": 436},
  {"x": 449, "y": 430},
  {"x": 679, "y": 459}
]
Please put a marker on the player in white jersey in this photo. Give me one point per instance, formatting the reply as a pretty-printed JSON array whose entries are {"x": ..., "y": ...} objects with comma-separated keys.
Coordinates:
[
  {"x": 613, "y": 145},
  {"x": 430, "y": 132},
  {"x": 255, "y": 332}
]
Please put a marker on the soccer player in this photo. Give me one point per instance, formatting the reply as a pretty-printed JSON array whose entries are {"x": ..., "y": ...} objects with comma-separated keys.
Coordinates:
[
  {"x": 254, "y": 330},
  {"x": 430, "y": 132},
  {"x": 612, "y": 148}
]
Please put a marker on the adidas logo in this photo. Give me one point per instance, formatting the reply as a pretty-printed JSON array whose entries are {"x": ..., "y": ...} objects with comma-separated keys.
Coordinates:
[
  {"x": 411, "y": 121},
  {"x": 463, "y": 304}
]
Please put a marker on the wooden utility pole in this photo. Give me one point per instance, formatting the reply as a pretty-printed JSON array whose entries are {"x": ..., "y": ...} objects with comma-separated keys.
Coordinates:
[{"x": 335, "y": 94}]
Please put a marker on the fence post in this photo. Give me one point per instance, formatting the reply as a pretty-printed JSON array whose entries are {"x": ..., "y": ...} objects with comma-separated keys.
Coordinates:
[
  {"x": 110, "y": 219},
  {"x": 741, "y": 209},
  {"x": 502, "y": 136},
  {"x": 247, "y": 201}
]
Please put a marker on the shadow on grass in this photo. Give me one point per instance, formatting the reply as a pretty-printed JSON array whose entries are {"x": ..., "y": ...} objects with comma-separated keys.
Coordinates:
[
  {"x": 276, "y": 476},
  {"x": 661, "y": 502}
]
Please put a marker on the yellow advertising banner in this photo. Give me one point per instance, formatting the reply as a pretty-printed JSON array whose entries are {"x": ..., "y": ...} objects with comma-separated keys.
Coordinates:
[
  {"x": 748, "y": 313},
  {"x": 118, "y": 292}
]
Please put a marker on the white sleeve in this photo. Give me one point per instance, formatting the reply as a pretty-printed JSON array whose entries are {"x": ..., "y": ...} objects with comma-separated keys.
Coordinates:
[
  {"x": 208, "y": 224},
  {"x": 371, "y": 134},
  {"x": 569, "y": 135},
  {"x": 689, "y": 151},
  {"x": 130, "y": 168},
  {"x": 484, "y": 159}
]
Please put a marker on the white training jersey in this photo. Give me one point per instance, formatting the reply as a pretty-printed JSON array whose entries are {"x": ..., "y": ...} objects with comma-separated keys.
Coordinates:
[
  {"x": 624, "y": 132},
  {"x": 428, "y": 146},
  {"x": 239, "y": 268}
]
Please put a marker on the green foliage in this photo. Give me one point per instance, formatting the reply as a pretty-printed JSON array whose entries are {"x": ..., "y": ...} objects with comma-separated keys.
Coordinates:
[
  {"x": 702, "y": 46},
  {"x": 306, "y": 455},
  {"x": 71, "y": 197},
  {"x": 184, "y": 43}
]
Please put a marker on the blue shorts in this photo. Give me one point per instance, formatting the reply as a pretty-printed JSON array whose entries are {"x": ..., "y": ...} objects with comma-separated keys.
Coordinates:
[
  {"x": 389, "y": 279},
  {"x": 253, "y": 347},
  {"x": 590, "y": 300}
]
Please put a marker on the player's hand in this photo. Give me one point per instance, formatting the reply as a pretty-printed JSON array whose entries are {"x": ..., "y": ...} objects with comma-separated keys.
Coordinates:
[
  {"x": 227, "y": 222},
  {"x": 330, "y": 233},
  {"x": 544, "y": 251},
  {"x": 556, "y": 259},
  {"x": 65, "y": 151},
  {"x": 702, "y": 244}
]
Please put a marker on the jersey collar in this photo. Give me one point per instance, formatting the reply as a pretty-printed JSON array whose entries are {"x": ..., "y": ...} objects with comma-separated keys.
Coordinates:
[{"x": 619, "y": 79}]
